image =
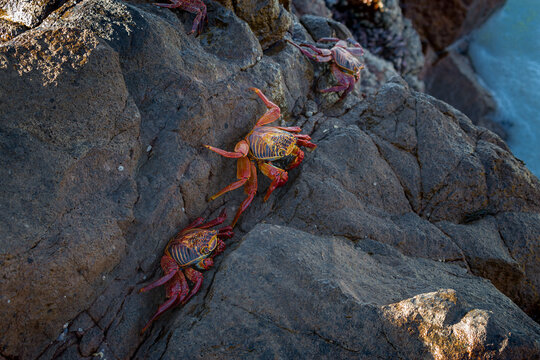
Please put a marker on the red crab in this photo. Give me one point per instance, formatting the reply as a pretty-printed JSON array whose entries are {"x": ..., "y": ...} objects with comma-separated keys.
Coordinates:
[
  {"x": 192, "y": 6},
  {"x": 344, "y": 62},
  {"x": 193, "y": 246},
  {"x": 262, "y": 145}
]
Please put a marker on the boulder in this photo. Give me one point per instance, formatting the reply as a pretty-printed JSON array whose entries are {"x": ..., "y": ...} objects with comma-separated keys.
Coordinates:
[
  {"x": 452, "y": 79},
  {"x": 290, "y": 294},
  {"x": 269, "y": 19},
  {"x": 27, "y": 12},
  {"x": 440, "y": 23},
  {"x": 311, "y": 7}
]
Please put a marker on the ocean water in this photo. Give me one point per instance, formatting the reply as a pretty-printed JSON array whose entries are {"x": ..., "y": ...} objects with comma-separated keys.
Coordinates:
[{"x": 506, "y": 55}]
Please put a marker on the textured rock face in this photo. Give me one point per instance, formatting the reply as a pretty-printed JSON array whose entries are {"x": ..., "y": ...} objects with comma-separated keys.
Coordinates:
[
  {"x": 268, "y": 19},
  {"x": 452, "y": 80},
  {"x": 384, "y": 231},
  {"x": 441, "y": 23},
  {"x": 311, "y": 7},
  {"x": 367, "y": 301},
  {"x": 28, "y": 12}
]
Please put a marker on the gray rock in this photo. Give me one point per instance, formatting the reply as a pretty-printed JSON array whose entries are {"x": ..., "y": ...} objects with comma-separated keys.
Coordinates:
[
  {"x": 328, "y": 297},
  {"x": 28, "y": 12},
  {"x": 440, "y": 23},
  {"x": 452, "y": 80},
  {"x": 311, "y": 7}
]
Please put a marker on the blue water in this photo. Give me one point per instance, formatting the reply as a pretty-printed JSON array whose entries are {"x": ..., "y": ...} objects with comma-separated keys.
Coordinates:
[{"x": 506, "y": 55}]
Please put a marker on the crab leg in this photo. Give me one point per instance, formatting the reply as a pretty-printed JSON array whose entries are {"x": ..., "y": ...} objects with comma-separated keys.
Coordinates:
[
  {"x": 195, "y": 277},
  {"x": 298, "y": 157},
  {"x": 242, "y": 172},
  {"x": 170, "y": 267},
  {"x": 175, "y": 293},
  {"x": 240, "y": 150},
  {"x": 273, "y": 112},
  {"x": 302, "y": 141},
  {"x": 192, "y": 6},
  {"x": 205, "y": 264},
  {"x": 219, "y": 248},
  {"x": 225, "y": 233},
  {"x": 292, "y": 129},
  {"x": 219, "y": 220},
  {"x": 250, "y": 189},
  {"x": 279, "y": 177},
  {"x": 346, "y": 82},
  {"x": 319, "y": 56}
]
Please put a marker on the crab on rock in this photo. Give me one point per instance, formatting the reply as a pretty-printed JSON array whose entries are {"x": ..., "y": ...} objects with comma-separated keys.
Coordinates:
[
  {"x": 192, "y": 6},
  {"x": 193, "y": 246},
  {"x": 344, "y": 62},
  {"x": 262, "y": 145}
]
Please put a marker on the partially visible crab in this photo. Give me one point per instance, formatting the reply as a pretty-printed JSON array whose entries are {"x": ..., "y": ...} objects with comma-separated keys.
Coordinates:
[
  {"x": 344, "y": 62},
  {"x": 194, "y": 246},
  {"x": 264, "y": 144},
  {"x": 192, "y": 6}
]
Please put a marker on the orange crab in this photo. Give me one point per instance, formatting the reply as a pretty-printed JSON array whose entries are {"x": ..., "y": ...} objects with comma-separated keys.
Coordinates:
[
  {"x": 193, "y": 247},
  {"x": 263, "y": 145}
]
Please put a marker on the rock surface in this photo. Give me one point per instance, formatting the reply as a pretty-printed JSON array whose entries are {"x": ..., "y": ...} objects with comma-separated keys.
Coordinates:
[
  {"x": 392, "y": 229},
  {"x": 367, "y": 301},
  {"x": 440, "y": 23},
  {"x": 452, "y": 79}
]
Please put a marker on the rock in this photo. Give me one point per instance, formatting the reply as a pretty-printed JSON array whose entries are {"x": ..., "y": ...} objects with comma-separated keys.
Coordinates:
[
  {"x": 329, "y": 297},
  {"x": 440, "y": 23},
  {"x": 502, "y": 249},
  {"x": 82, "y": 194},
  {"x": 8, "y": 29},
  {"x": 311, "y": 7},
  {"x": 268, "y": 19},
  {"x": 27, "y": 12},
  {"x": 414, "y": 162},
  {"x": 452, "y": 80}
]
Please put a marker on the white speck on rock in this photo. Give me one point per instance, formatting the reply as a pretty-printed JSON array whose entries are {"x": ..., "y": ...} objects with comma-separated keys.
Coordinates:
[
  {"x": 80, "y": 329},
  {"x": 183, "y": 210},
  {"x": 66, "y": 324},
  {"x": 144, "y": 277},
  {"x": 309, "y": 113},
  {"x": 9, "y": 300},
  {"x": 374, "y": 184},
  {"x": 120, "y": 168},
  {"x": 336, "y": 127},
  {"x": 149, "y": 148},
  {"x": 103, "y": 277}
]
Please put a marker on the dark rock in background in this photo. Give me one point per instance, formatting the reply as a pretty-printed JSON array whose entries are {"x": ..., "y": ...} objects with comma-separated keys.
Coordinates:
[
  {"x": 311, "y": 7},
  {"x": 406, "y": 224},
  {"x": 452, "y": 80},
  {"x": 448, "y": 74},
  {"x": 441, "y": 23}
]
